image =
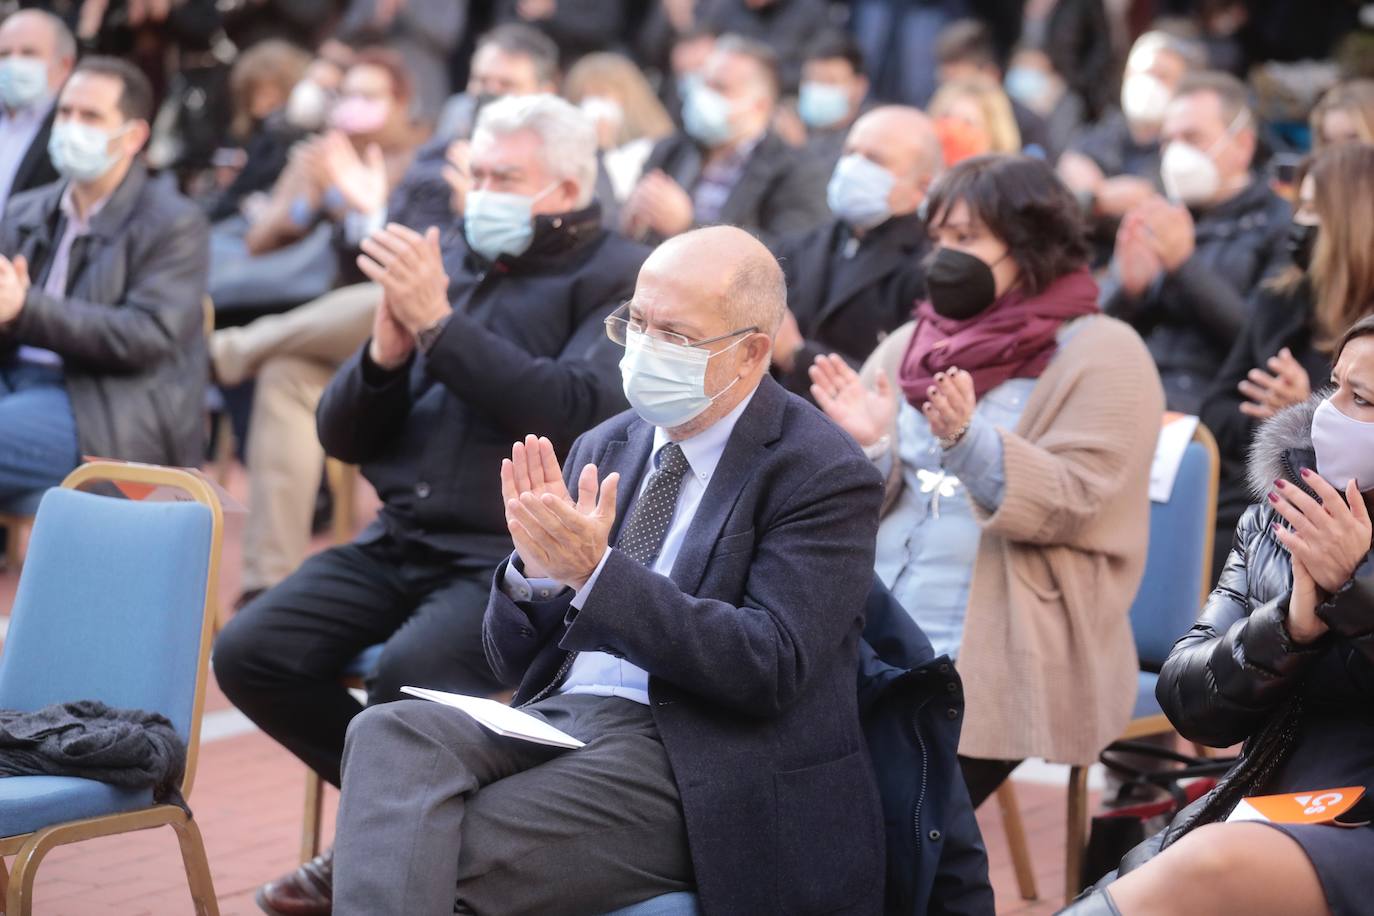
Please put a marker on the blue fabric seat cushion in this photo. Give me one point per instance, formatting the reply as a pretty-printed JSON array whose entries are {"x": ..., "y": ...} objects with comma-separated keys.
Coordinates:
[
  {"x": 29, "y": 803},
  {"x": 1145, "y": 702},
  {"x": 365, "y": 663},
  {"x": 679, "y": 904}
]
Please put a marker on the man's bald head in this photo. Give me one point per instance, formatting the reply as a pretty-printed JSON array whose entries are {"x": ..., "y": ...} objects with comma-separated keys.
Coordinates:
[
  {"x": 41, "y": 36},
  {"x": 718, "y": 282},
  {"x": 903, "y": 141},
  {"x": 730, "y": 268},
  {"x": 900, "y": 139}
]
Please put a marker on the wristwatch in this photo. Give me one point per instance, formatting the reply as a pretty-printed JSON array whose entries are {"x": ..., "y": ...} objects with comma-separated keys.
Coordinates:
[{"x": 425, "y": 337}]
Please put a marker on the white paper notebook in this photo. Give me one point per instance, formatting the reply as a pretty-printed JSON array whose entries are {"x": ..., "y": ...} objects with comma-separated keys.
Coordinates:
[{"x": 499, "y": 718}]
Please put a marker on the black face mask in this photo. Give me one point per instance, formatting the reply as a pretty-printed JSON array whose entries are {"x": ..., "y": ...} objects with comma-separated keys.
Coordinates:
[
  {"x": 960, "y": 285},
  {"x": 1301, "y": 240}
]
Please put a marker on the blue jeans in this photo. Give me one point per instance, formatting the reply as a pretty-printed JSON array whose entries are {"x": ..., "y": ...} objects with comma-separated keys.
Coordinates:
[{"x": 38, "y": 444}]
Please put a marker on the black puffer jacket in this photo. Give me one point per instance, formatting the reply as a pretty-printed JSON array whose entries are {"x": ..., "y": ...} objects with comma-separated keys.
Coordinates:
[{"x": 1234, "y": 668}]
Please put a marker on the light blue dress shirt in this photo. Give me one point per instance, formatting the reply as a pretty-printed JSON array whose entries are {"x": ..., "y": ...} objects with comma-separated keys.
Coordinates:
[
  {"x": 928, "y": 541},
  {"x": 600, "y": 673}
]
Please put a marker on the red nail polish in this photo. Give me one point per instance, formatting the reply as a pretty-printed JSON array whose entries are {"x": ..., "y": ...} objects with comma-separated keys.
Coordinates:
[
  {"x": 1274, "y": 498},
  {"x": 1280, "y": 484},
  {"x": 1306, "y": 472}
]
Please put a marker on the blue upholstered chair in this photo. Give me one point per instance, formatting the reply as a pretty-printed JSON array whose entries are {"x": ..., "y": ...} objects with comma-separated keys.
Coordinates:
[
  {"x": 1178, "y": 577},
  {"x": 115, "y": 604}
]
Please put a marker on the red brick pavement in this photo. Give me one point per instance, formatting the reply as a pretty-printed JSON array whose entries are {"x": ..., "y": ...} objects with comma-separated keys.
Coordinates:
[{"x": 248, "y": 798}]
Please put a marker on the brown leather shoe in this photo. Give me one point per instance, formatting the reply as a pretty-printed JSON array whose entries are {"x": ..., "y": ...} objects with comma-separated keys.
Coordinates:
[{"x": 307, "y": 891}]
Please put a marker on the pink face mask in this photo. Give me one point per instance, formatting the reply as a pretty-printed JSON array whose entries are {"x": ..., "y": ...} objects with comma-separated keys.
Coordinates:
[{"x": 357, "y": 115}]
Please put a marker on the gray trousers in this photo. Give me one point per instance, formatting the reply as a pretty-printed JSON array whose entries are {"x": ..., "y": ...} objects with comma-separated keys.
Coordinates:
[{"x": 435, "y": 806}]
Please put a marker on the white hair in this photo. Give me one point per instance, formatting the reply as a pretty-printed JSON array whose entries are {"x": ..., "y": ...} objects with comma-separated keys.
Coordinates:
[{"x": 567, "y": 137}]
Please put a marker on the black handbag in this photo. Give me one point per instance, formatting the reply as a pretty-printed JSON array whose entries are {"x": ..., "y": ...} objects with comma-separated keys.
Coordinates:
[{"x": 1179, "y": 782}]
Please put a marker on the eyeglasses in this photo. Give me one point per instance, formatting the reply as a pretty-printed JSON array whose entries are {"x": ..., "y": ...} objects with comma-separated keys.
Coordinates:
[{"x": 620, "y": 324}]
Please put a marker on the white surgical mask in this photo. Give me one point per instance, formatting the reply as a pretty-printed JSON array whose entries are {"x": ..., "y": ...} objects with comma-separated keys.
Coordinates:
[
  {"x": 23, "y": 81},
  {"x": 858, "y": 192},
  {"x": 1189, "y": 173},
  {"x": 1344, "y": 447},
  {"x": 307, "y": 105},
  {"x": 707, "y": 116},
  {"x": 497, "y": 222},
  {"x": 599, "y": 108},
  {"x": 1144, "y": 98},
  {"x": 665, "y": 383},
  {"x": 81, "y": 152}
]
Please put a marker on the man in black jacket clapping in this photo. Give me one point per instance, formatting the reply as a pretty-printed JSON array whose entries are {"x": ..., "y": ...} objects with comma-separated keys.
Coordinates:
[{"x": 485, "y": 332}]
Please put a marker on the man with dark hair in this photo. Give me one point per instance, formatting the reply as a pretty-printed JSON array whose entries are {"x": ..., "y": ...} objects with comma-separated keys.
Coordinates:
[
  {"x": 832, "y": 93},
  {"x": 37, "y": 52},
  {"x": 101, "y": 281},
  {"x": 728, "y": 166},
  {"x": 785, "y": 26},
  {"x": 1185, "y": 266},
  {"x": 511, "y": 59},
  {"x": 964, "y": 50}
]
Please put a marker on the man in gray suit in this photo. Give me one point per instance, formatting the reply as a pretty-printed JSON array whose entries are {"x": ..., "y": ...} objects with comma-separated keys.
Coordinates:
[{"x": 692, "y": 614}]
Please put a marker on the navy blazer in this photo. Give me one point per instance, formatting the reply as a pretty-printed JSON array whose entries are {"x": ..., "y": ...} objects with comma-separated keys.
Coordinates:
[{"x": 752, "y": 650}]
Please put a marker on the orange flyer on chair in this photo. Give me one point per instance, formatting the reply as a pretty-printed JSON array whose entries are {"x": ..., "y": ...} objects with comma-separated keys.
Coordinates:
[{"x": 1321, "y": 806}]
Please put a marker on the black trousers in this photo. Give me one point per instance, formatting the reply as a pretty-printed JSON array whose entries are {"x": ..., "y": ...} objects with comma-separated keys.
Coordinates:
[
  {"x": 279, "y": 660},
  {"x": 984, "y": 777}
]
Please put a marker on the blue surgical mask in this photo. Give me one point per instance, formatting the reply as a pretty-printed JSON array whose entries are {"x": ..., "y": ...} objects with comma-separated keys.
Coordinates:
[
  {"x": 1028, "y": 85},
  {"x": 665, "y": 383},
  {"x": 686, "y": 82},
  {"x": 822, "y": 105},
  {"x": 81, "y": 152},
  {"x": 859, "y": 190},
  {"x": 23, "y": 81},
  {"x": 497, "y": 223},
  {"x": 706, "y": 116}
]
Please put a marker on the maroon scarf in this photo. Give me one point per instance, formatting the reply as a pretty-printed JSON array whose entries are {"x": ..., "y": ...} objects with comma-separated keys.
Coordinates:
[{"x": 1015, "y": 338}]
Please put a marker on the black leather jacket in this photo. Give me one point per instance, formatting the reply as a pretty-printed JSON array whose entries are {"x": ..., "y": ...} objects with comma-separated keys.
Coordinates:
[
  {"x": 1232, "y": 670},
  {"x": 131, "y": 329}
]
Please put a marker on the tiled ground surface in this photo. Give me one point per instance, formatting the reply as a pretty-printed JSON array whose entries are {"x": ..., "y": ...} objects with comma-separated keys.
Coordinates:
[{"x": 248, "y": 797}]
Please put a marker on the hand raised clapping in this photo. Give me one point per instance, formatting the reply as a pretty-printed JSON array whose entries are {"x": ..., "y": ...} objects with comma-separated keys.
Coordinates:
[
  {"x": 865, "y": 414},
  {"x": 1329, "y": 538},
  {"x": 556, "y": 537}
]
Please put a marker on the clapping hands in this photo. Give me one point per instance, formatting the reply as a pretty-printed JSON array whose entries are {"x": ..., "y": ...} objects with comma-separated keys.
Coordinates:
[
  {"x": 556, "y": 537},
  {"x": 1286, "y": 383},
  {"x": 14, "y": 287}
]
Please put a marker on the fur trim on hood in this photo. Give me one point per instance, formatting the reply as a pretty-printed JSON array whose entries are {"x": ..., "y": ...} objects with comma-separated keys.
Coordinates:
[{"x": 1282, "y": 447}]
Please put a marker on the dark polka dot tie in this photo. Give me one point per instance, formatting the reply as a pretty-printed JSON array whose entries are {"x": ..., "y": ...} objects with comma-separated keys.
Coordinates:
[{"x": 643, "y": 532}]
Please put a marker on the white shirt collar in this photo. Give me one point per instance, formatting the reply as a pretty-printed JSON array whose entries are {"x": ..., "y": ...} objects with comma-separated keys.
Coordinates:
[{"x": 704, "y": 450}]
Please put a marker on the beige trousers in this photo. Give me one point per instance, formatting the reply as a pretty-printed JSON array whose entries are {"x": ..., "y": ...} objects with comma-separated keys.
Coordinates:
[{"x": 294, "y": 355}]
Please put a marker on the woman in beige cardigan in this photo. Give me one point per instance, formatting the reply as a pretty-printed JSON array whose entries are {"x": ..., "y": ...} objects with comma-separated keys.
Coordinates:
[{"x": 1017, "y": 426}]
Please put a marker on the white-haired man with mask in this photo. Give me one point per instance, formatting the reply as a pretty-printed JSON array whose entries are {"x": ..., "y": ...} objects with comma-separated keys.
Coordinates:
[
  {"x": 728, "y": 166},
  {"x": 1185, "y": 264},
  {"x": 1112, "y": 166},
  {"x": 37, "y": 52},
  {"x": 487, "y": 329}
]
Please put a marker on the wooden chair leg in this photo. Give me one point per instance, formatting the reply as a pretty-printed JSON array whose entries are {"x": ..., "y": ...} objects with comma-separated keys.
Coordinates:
[
  {"x": 314, "y": 816},
  {"x": 343, "y": 487},
  {"x": 224, "y": 450},
  {"x": 1076, "y": 840},
  {"x": 19, "y": 894},
  {"x": 4, "y": 882},
  {"x": 1016, "y": 840},
  {"x": 197, "y": 867}
]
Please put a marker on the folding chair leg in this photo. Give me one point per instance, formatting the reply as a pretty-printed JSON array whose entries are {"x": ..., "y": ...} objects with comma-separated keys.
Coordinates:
[
  {"x": 343, "y": 488},
  {"x": 314, "y": 816},
  {"x": 1076, "y": 841},
  {"x": 197, "y": 867},
  {"x": 19, "y": 894},
  {"x": 1016, "y": 840}
]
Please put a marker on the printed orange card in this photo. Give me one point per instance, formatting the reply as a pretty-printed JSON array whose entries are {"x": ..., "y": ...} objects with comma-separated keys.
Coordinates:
[{"x": 1318, "y": 807}]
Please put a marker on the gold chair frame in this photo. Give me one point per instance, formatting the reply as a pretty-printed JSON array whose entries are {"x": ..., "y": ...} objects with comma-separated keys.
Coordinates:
[
  {"x": 1077, "y": 813},
  {"x": 16, "y": 886}
]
